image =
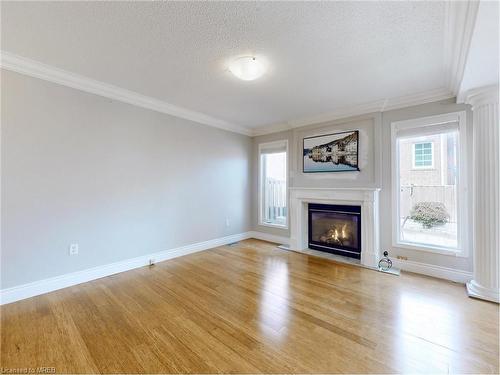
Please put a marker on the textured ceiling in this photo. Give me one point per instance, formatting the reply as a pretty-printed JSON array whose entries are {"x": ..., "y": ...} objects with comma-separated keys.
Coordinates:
[{"x": 321, "y": 55}]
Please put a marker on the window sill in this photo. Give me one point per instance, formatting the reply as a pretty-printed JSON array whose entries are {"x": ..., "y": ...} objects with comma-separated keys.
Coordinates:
[
  {"x": 431, "y": 249},
  {"x": 277, "y": 226}
]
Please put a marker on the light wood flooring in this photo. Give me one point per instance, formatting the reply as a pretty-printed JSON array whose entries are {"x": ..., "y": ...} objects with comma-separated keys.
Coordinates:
[{"x": 253, "y": 308}]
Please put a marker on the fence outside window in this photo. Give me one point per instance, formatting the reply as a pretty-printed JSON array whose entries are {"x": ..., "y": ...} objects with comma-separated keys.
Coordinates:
[{"x": 275, "y": 209}]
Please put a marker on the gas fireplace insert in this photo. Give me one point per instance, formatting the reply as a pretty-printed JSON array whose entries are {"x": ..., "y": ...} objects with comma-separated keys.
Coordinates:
[{"x": 335, "y": 229}]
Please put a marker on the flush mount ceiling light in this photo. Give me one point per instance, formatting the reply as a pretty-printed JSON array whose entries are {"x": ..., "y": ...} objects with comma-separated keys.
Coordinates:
[{"x": 247, "y": 68}]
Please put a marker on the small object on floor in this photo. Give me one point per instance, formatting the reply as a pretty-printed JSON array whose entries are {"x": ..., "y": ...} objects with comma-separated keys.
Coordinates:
[
  {"x": 152, "y": 262},
  {"x": 385, "y": 265}
]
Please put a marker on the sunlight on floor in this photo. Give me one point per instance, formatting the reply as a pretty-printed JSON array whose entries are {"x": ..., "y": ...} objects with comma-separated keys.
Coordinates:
[{"x": 274, "y": 310}]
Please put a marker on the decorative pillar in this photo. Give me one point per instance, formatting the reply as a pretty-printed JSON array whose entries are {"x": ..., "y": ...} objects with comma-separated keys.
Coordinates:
[{"x": 485, "y": 282}]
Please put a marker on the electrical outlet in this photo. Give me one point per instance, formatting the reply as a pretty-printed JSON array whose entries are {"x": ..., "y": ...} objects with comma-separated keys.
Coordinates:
[
  {"x": 228, "y": 223},
  {"x": 73, "y": 249}
]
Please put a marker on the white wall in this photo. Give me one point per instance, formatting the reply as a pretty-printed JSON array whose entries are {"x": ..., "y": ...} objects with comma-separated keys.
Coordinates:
[
  {"x": 369, "y": 153},
  {"x": 124, "y": 181},
  {"x": 119, "y": 180},
  {"x": 375, "y": 165}
]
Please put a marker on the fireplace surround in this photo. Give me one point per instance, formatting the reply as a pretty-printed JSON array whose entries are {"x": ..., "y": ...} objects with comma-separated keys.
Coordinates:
[{"x": 365, "y": 198}]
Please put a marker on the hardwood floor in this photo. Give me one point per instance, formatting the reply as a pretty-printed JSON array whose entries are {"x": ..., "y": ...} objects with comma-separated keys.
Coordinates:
[{"x": 253, "y": 308}]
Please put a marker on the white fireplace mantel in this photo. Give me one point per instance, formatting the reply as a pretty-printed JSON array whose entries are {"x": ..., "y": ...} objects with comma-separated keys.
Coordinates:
[{"x": 367, "y": 198}]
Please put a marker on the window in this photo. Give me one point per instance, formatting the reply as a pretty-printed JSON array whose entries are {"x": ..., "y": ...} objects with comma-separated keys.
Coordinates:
[
  {"x": 429, "y": 184},
  {"x": 423, "y": 155},
  {"x": 273, "y": 210}
]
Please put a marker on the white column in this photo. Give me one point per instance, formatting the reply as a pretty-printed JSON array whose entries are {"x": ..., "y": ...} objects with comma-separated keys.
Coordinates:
[
  {"x": 485, "y": 282},
  {"x": 370, "y": 243}
]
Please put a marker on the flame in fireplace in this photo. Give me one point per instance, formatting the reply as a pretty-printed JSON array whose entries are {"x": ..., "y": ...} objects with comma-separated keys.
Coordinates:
[{"x": 335, "y": 235}]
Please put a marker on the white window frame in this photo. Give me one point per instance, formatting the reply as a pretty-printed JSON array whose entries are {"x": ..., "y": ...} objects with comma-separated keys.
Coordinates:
[
  {"x": 262, "y": 147},
  {"x": 413, "y": 156},
  {"x": 463, "y": 228}
]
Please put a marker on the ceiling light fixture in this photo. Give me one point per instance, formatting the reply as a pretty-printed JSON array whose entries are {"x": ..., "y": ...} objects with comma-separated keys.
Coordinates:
[{"x": 247, "y": 68}]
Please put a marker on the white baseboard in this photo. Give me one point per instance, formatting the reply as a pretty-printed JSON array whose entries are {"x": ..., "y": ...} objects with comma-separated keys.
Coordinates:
[
  {"x": 440, "y": 272},
  {"x": 269, "y": 237},
  {"x": 63, "y": 281}
]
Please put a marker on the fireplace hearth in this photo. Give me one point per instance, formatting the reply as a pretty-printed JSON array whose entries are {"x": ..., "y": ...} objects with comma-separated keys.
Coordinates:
[{"x": 335, "y": 229}]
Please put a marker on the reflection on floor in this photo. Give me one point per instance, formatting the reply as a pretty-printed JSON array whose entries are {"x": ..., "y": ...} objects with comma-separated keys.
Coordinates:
[
  {"x": 253, "y": 308},
  {"x": 325, "y": 255}
]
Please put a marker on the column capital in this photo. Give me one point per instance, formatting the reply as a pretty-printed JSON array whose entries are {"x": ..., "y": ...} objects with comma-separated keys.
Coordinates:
[{"x": 482, "y": 96}]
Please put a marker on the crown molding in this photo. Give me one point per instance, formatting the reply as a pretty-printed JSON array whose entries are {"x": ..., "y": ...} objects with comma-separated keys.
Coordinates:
[
  {"x": 270, "y": 129},
  {"x": 358, "y": 110},
  {"x": 418, "y": 99},
  {"x": 459, "y": 28},
  {"x": 482, "y": 95},
  {"x": 19, "y": 64}
]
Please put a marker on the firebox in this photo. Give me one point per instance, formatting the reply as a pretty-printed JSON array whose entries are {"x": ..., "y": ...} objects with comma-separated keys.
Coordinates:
[{"x": 335, "y": 229}]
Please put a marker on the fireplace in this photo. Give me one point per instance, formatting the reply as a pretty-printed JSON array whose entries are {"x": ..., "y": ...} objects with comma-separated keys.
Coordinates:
[{"x": 335, "y": 229}]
